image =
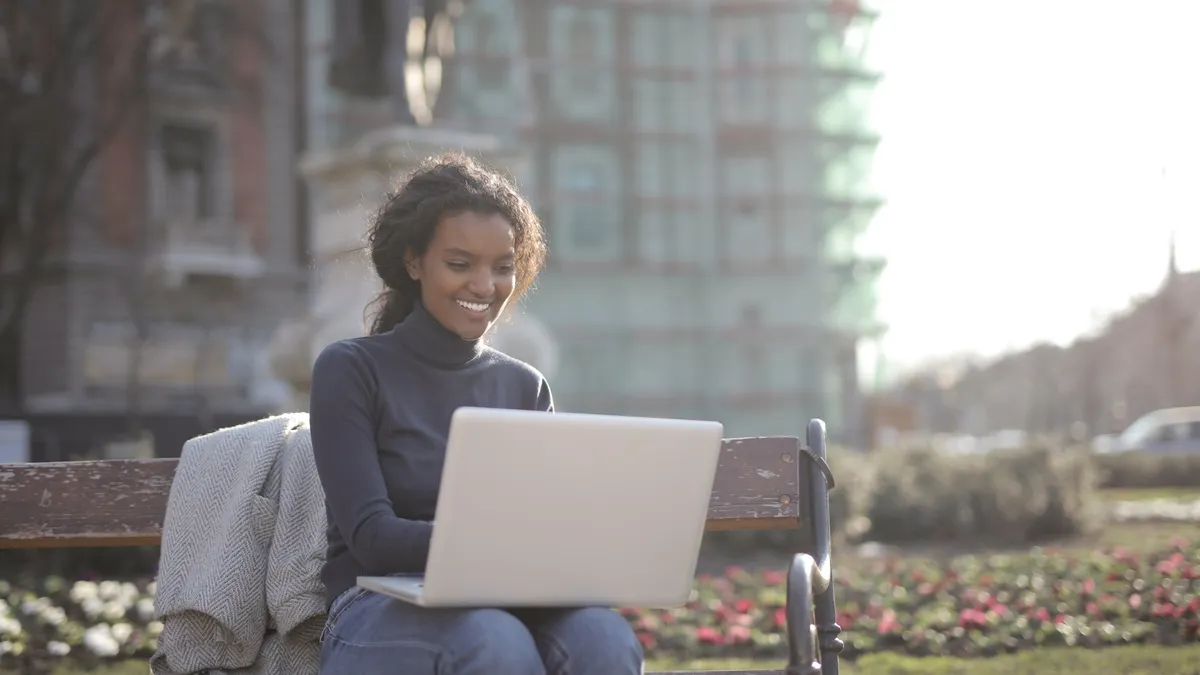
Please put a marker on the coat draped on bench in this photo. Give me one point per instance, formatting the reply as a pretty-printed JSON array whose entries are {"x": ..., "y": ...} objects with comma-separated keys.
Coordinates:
[{"x": 238, "y": 587}]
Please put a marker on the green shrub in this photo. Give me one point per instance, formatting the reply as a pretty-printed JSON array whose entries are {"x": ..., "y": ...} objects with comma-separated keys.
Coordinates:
[
  {"x": 1012, "y": 496},
  {"x": 920, "y": 495},
  {"x": 1144, "y": 470}
]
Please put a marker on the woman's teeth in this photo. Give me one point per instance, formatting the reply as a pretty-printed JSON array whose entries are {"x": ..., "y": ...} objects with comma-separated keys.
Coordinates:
[{"x": 474, "y": 306}]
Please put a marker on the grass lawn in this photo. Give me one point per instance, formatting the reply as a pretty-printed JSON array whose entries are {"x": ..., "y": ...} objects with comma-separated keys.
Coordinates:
[
  {"x": 1137, "y": 660},
  {"x": 1183, "y": 494}
]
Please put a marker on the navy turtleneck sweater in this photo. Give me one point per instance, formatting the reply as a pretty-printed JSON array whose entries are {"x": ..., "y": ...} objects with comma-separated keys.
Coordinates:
[{"x": 380, "y": 413}]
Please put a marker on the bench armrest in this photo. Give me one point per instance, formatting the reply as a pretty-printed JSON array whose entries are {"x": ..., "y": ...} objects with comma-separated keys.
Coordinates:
[
  {"x": 815, "y": 570},
  {"x": 804, "y": 656}
]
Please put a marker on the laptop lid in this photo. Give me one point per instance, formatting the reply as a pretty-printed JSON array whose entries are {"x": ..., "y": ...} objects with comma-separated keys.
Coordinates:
[{"x": 570, "y": 509}]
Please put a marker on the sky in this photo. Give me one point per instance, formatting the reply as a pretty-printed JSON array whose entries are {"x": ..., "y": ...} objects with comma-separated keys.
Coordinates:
[{"x": 1022, "y": 161}]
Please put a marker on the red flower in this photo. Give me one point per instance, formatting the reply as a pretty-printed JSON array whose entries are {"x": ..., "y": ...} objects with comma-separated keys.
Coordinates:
[
  {"x": 709, "y": 636},
  {"x": 1170, "y": 565},
  {"x": 888, "y": 624},
  {"x": 972, "y": 618},
  {"x": 744, "y": 606},
  {"x": 647, "y": 640},
  {"x": 780, "y": 618}
]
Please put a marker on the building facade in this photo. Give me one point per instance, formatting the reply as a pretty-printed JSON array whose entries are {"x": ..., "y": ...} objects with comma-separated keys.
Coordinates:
[
  {"x": 189, "y": 245},
  {"x": 702, "y": 168}
]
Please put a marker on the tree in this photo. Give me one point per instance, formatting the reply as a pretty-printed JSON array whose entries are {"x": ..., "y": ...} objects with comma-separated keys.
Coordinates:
[{"x": 73, "y": 74}]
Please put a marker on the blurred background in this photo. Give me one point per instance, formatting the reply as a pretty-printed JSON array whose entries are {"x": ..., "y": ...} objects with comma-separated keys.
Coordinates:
[
  {"x": 962, "y": 232},
  {"x": 961, "y": 223}
]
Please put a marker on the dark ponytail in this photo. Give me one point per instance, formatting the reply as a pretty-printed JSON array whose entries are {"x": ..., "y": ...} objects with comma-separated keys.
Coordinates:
[
  {"x": 389, "y": 308},
  {"x": 406, "y": 223}
]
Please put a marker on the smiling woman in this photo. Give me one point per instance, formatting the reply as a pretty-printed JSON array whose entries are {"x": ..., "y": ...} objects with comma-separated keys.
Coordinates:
[
  {"x": 454, "y": 245},
  {"x": 454, "y": 232}
]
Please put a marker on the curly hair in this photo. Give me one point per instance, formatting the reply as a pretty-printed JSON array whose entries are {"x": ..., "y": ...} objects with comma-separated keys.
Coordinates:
[{"x": 439, "y": 187}]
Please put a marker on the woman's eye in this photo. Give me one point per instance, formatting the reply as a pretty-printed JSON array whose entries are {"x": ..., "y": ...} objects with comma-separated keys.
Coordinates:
[
  {"x": 458, "y": 265},
  {"x": 505, "y": 269}
]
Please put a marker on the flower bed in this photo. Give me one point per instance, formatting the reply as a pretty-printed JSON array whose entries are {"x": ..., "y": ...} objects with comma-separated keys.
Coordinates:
[{"x": 970, "y": 606}]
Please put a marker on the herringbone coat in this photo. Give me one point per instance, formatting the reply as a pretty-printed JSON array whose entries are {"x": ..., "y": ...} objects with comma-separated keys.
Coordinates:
[{"x": 238, "y": 588}]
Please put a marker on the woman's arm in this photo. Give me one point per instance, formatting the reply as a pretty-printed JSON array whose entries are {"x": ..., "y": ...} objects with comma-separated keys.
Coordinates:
[{"x": 341, "y": 414}]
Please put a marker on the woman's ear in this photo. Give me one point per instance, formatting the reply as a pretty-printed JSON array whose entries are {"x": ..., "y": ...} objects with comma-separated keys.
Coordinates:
[{"x": 412, "y": 265}]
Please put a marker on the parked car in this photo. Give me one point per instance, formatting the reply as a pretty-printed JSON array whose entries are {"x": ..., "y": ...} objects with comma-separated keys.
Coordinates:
[{"x": 1165, "y": 431}]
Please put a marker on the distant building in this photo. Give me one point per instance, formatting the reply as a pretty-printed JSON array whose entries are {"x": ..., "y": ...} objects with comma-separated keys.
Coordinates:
[
  {"x": 703, "y": 170},
  {"x": 202, "y": 194},
  {"x": 1144, "y": 359}
]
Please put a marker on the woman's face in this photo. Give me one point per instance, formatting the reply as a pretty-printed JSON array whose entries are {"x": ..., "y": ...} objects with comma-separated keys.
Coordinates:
[{"x": 467, "y": 274}]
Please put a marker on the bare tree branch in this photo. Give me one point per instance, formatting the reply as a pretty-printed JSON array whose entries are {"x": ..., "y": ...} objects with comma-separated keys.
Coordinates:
[{"x": 73, "y": 75}]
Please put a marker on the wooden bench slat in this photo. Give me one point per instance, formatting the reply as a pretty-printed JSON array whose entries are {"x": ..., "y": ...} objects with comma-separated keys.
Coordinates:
[{"x": 122, "y": 502}]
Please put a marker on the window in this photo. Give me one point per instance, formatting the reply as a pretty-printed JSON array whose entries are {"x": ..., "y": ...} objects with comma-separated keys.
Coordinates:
[
  {"x": 743, "y": 90},
  {"x": 582, "y": 178},
  {"x": 362, "y": 31},
  {"x": 747, "y": 237},
  {"x": 582, "y": 83},
  {"x": 584, "y": 52},
  {"x": 757, "y": 375},
  {"x": 492, "y": 68},
  {"x": 585, "y": 47},
  {"x": 588, "y": 229},
  {"x": 586, "y": 222},
  {"x": 751, "y": 316},
  {"x": 188, "y": 156}
]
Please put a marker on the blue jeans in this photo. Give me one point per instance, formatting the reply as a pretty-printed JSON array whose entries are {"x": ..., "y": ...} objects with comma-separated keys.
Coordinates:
[{"x": 371, "y": 634}]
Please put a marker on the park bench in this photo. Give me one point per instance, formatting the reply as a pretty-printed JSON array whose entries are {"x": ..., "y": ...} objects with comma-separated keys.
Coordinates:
[{"x": 761, "y": 483}]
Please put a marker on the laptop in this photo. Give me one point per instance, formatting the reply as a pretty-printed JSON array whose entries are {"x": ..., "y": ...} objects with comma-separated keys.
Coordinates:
[{"x": 544, "y": 509}]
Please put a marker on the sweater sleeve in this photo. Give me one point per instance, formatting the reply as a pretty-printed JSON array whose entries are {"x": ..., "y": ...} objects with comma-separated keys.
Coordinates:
[
  {"x": 342, "y": 420},
  {"x": 545, "y": 399}
]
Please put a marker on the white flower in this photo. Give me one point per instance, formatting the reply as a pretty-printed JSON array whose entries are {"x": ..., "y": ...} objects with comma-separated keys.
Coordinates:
[
  {"x": 109, "y": 590},
  {"x": 9, "y": 627},
  {"x": 83, "y": 590},
  {"x": 152, "y": 588},
  {"x": 54, "y": 616},
  {"x": 114, "y": 610},
  {"x": 34, "y": 606},
  {"x": 154, "y": 628},
  {"x": 121, "y": 632},
  {"x": 99, "y": 640},
  {"x": 145, "y": 609},
  {"x": 92, "y": 607},
  {"x": 57, "y": 648}
]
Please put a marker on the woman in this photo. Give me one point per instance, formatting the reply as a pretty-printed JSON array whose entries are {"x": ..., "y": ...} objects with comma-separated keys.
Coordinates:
[{"x": 453, "y": 247}]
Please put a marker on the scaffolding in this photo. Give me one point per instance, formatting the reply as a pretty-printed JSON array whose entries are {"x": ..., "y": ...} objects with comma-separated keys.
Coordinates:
[{"x": 697, "y": 164}]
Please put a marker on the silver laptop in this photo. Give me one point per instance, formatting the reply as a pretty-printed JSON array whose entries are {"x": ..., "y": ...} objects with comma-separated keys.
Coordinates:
[{"x": 565, "y": 509}]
